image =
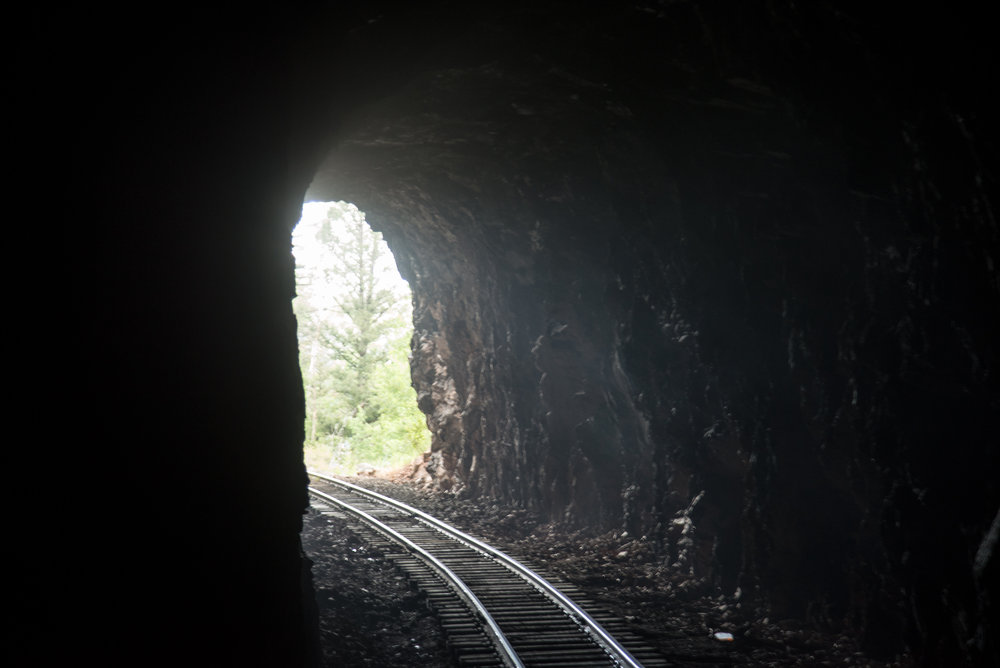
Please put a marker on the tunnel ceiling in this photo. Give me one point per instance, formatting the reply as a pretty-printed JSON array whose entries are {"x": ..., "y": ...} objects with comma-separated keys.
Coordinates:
[{"x": 680, "y": 251}]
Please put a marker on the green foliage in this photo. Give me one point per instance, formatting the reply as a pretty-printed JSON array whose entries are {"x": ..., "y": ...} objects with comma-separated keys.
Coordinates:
[{"x": 354, "y": 341}]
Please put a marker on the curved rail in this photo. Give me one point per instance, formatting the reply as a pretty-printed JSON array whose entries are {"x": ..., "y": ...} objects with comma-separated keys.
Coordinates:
[
  {"x": 590, "y": 626},
  {"x": 504, "y": 650}
]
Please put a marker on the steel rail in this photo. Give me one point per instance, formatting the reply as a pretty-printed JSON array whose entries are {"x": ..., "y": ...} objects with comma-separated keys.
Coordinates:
[
  {"x": 504, "y": 650},
  {"x": 587, "y": 623}
]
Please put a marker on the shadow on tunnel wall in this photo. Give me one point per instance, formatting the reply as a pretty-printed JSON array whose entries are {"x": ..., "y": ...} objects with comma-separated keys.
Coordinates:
[{"x": 660, "y": 252}]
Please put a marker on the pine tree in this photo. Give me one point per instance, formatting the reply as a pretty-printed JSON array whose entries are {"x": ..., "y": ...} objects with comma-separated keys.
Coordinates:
[
  {"x": 353, "y": 340},
  {"x": 369, "y": 311}
]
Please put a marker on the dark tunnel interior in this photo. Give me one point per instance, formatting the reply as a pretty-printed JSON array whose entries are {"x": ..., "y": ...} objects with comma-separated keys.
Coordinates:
[{"x": 657, "y": 248}]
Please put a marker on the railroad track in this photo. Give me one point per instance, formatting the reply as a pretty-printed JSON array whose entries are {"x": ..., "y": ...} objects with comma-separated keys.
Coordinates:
[{"x": 495, "y": 610}]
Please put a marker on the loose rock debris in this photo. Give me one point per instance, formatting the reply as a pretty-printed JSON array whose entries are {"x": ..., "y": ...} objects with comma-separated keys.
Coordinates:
[{"x": 371, "y": 616}]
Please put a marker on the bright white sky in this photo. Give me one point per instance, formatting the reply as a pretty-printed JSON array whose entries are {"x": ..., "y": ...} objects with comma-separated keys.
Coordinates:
[{"x": 312, "y": 256}]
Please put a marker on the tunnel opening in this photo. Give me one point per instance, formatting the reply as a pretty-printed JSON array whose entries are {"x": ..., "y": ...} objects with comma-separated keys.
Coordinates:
[{"x": 354, "y": 323}]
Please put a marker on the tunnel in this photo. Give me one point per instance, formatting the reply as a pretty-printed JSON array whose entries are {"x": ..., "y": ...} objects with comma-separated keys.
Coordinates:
[{"x": 733, "y": 263}]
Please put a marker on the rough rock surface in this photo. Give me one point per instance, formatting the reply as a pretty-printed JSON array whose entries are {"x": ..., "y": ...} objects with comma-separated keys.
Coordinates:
[{"x": 676, "y": 265}]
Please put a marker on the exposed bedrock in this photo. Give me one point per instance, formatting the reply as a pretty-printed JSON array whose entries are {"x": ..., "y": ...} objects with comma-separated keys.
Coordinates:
[
  {"x": 721, "y": 274},
  {"x": 727, "y": 280}
]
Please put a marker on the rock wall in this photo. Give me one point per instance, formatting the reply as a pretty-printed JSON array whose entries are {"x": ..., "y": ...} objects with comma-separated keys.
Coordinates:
[
  {"x": 722, "y": 277},
  {"x": 157, "y": 480}
]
